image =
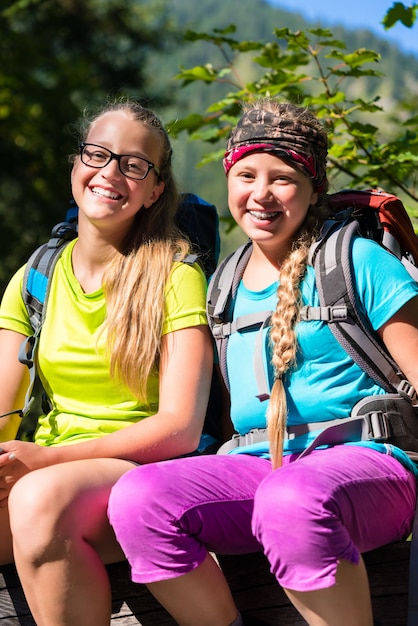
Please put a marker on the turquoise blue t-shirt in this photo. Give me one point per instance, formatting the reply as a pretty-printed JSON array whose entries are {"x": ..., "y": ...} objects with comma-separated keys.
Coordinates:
[{"x": 325, "y": 383}]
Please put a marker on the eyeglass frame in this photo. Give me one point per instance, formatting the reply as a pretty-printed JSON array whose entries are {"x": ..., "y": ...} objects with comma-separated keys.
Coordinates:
[{"x": 118, "y": 158}]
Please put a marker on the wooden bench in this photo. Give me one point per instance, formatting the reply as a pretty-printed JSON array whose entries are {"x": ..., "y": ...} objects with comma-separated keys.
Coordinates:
[{"x": 260, "y": 599}]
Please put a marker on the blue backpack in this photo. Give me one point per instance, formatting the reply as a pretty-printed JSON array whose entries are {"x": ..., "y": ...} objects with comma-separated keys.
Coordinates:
[{"x": 197, "y": 219}]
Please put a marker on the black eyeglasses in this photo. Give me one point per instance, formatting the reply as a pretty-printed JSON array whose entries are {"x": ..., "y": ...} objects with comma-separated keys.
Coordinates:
[{"x": 131, "y": 166}]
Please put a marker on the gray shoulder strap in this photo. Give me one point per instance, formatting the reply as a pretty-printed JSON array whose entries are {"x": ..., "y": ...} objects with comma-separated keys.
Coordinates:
[
  {"x": 339, "y": 306},
  {"x": 221, "y": 292},
  {"x": 221, "y": 295}
]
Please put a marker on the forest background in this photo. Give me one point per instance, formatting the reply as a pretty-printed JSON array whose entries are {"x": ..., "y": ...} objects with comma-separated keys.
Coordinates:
[{"x": 186, "y": 61}]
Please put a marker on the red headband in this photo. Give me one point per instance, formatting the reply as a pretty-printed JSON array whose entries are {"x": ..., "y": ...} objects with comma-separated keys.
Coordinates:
[
  {"x": 284, "y": 132},
  {"x": 236, "y": 154}
]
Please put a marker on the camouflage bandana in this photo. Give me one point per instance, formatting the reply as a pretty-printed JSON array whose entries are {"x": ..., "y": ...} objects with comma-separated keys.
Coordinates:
[{"x": 260, "y": 130}]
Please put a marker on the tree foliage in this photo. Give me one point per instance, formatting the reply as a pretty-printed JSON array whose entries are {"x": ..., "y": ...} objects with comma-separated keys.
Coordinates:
[
  {"x": 368, "y": 146},
  {"x": 58, "y": 59},
  {"x": 398, "y": 12}
]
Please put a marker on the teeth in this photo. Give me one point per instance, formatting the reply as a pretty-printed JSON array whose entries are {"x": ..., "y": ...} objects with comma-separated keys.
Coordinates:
[
  {"x": 106, "y": 193},
  {"x": 261, "y": 215}
]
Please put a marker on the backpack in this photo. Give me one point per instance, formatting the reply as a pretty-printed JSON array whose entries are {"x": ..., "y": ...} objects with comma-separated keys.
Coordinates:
[
  {"x": 373, "y": 214},
  {"x": 380, "y": 216},
  {"x": 391, "y": 417},
  {"x": 197, "y": 219}
]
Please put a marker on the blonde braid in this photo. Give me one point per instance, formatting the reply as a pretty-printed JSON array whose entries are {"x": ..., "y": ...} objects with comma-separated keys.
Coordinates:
[
  {"x": 282, "y": 335},
  {"x": 284, "y": 345}
]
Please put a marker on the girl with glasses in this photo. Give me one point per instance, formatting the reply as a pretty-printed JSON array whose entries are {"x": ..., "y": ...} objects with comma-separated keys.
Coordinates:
[{"x": 126, "y": 359}]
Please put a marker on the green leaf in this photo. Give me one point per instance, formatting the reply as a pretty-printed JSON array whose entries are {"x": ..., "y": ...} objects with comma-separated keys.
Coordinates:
[
  {"x": 209, "y": 134},
  {"x": 412, "y": 121},
  {"x": 400, "y": 13},
  {"x": 247, "y": 46},
  {"x": 321, "y": 32},
  {"x": 223, "y": 31},
  {"x": 190, "y": 123},
  {"x": 332, "y": 42},
  {"x": 212, "y": 157},
  {"x": 216, "y": 39},
  {"x": 356, "y": 58},
  {"x": 364, "y": 132},
  {"x": 356, "y": 72},
  {"x": 324, "y": 98},
  {"x": 200, "y": 72}
]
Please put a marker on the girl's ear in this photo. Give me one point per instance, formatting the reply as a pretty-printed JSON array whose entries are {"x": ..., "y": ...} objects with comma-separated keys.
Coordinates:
[
  {"x": 155, "y": 194},
  {"x": 73, "y": 166},
  {"x": 314, "y": 197}
]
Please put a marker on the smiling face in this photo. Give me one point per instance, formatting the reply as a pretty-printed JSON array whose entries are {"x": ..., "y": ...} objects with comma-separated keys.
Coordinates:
[
  {"x": 105, "y": 196},
  {"x": 269, "y": 199}
]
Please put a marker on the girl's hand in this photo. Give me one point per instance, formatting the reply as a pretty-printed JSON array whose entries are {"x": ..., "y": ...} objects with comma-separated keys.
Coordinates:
[{"x": 17, "y": 458}]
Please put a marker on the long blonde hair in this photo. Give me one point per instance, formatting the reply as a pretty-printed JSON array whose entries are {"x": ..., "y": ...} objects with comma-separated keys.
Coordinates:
[
  {"x": 293, "y": 269},
  {"x": 134, "y": 283}
]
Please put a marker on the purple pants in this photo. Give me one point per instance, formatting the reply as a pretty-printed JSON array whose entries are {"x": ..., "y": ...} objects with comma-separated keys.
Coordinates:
[{"x": 306, "y": 516}]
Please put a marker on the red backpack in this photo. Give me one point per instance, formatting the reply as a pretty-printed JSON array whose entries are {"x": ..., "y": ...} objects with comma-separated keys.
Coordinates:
[{"x": 381, "y": 217}]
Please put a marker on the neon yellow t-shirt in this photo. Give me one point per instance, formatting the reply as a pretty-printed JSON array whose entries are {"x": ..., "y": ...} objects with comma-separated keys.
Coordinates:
[{"x": 72, "y": 362}]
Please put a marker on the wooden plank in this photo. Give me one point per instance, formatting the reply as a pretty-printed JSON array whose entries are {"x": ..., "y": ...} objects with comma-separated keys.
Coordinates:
[
  {"x": 14, "y": 610},
  {"x": 132, "y": 604},
  {"x": 258, "y": 596},
  {"x": 263, "y": 603}
]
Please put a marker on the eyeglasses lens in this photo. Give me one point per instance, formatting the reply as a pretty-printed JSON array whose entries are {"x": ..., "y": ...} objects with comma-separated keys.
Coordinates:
[{"x": 131, "y": 166}]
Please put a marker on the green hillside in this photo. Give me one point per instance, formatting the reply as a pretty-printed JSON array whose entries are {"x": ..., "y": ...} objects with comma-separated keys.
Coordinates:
[{"x": 256, "y": 20}]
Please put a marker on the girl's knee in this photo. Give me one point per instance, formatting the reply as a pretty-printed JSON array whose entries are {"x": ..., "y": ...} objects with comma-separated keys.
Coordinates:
[
  {"x": 33, "y": 513},
  {"x": 137, "y": 495},
  {"x": 137, "y": 508},
  {"x": 290, "y": 522},
  {"x": 28, "y": 501},
  {"x": 53, "y": 502},
  {"x": 280, "y": 493},
  {"x": 287, "y": 498}
]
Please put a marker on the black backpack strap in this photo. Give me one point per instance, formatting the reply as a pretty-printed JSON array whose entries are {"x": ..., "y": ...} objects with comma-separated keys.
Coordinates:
[
  {"x": 35, "y": 292},
  {"x": 199, "y": 221},
  {"x": 35, "y": 287}
]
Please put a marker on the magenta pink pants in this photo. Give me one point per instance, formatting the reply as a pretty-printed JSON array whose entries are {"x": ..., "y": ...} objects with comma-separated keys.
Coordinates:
[{"x": 306, "y": 516}]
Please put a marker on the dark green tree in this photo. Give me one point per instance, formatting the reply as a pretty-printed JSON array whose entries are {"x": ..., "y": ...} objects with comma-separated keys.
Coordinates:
[{"x": 57, "y": 59}]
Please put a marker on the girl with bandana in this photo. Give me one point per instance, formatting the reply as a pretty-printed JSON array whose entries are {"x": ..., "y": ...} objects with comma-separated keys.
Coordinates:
[{"x": 312, "y": 516}]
